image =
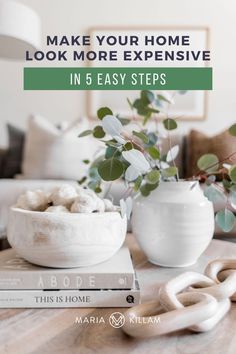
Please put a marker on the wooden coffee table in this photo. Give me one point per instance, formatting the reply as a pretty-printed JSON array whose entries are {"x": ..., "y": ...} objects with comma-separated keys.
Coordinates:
[{"x": 49, "y": 331}]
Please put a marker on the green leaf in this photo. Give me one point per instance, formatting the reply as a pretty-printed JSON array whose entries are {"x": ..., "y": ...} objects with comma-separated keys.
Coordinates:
[
  {"x": 138, "y": 103},
  {"x": 137, "y": 159},
  {"x": 208, "y": 163},
  {"x": 130, "y": 103},
  {"x": 128, "y": 146},
  {"x": 147, "y": 188},
  {"x": 232, "y": 129},
  {"x": 86, "y": 162},
  {"x": 158, "y": 103},
  {"x": 93, "y": 174},
  {"x": 170, "y": 124},
  {"x": 233, "y": 188},
  {"x": 98, "y": 190},
  {"x": 227, "y": 184},
  {"x": 110, "y": 169},
  {"x": 131, "y": 174},
  {"x": 96, "y": 162},
  {"x": 124, "y": 121},
  {"x": 147, "y": 96},
  {"x": 126, "y": 207},
  {"x": 112, "y": 126},
  {"x": 141, "y": 107},
  {"x": 112, "y": 152},
  {"x": 111, "y": 142},
  {"x": 162, "y": 98},
  {"x": 98, "y": 132},
  {"x": 143, "y": 111},
  {"x": 170, "y": 172},
  {"x": 85, "y": 133},
  {"x": 93, "y": 185},
  {"x": 172, "y": 153},
  {"x": 147, "y": 117},
  {"x": 225, "y": 219},
  {"x": 144, "y": 191},
  {"x": 154, "y": 152},
  {"x": 141, "y": 136},
  {"x": 164, "y": 156},
  {"x": 152, "y": 139},
  {"x": 138, "y": 183},
  {"x": 153, "y": 110},
  {"x": 232, "y": 173},
  {"x": 103, "y": 112},
  {"x": 214, "y": 195},
  {"x": 151, "y": 186},
  {"x": 210, "y": 179},
  {"x": 82, "y": 180},
  {"x": 153, "y": 177},
  {"x": 232, "y": 199}
]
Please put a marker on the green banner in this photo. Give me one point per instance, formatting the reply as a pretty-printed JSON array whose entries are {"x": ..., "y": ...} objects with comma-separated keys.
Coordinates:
[{"x": 117, "y": 78}]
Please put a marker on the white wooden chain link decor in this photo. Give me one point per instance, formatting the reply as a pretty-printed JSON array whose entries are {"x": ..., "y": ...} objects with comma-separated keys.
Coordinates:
[{"x": 191, "y": 300}]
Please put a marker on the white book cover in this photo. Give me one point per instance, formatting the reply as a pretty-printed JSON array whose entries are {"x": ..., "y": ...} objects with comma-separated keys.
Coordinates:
[
  {"x": 69, "y": 298},
  {"x": 16, "y": 273}
]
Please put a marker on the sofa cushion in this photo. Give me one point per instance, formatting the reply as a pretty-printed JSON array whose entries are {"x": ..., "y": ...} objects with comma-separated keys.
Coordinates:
[
  {"x": 54, "y": 153},
  {"x": 198, "y": 144},
  {"x": 3, "y": 153}
]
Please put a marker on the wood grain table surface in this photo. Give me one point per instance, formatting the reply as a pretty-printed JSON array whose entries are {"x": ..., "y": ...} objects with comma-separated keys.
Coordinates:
[{"x": 55, "y": 331}]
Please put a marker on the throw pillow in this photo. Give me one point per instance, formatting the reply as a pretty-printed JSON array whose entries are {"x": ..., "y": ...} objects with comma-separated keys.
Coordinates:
[
  {"x": 198, "y": 144},
  {"x": 3, "y": 153},
  {"x": 14, "y": 154},
  {"x": 54, "y": 153}
]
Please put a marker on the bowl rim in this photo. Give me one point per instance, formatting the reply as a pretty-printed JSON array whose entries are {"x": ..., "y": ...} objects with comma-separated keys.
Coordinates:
[{"x": 80, "y": 215}]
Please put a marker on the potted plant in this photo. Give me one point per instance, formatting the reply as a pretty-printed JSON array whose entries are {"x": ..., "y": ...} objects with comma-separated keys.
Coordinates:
[{"x": 172, "y": 219}]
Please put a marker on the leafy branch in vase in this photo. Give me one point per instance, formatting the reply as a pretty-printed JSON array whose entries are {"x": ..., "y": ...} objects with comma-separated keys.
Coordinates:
[{"x": 133, "y": 153}]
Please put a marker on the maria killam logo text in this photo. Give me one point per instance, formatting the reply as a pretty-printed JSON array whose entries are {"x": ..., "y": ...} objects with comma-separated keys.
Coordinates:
[{"x": 116, "y": 320}]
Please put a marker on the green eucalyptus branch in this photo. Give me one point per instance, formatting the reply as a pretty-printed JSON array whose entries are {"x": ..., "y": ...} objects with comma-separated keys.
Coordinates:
[
  {"x": 228, "y": 158},
  {"x": 136, "y": 156}
]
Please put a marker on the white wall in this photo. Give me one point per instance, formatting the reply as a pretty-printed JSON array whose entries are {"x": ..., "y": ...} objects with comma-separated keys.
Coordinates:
[{"x": 76, "y": 16}]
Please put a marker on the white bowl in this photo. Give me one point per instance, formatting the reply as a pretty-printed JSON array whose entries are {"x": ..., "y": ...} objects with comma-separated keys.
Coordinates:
[{"x": 65, "y": 240}]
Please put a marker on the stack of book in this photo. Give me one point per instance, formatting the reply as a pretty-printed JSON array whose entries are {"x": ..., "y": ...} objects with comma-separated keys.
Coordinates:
[{"x": 109, "y": 284}]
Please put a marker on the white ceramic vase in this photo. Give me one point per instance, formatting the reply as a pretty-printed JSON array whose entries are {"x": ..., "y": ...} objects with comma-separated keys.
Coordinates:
[
  {"x": 174, "y": 224},
  {"x": 65, "y": 240}
]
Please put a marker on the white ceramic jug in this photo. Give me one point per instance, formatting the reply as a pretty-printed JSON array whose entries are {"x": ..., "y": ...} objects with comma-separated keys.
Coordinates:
[{"x": 174, "y": 224}]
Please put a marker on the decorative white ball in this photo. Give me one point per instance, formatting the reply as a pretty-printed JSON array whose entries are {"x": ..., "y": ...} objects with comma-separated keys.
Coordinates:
[
  {"x": 57, "y": 209},
  {"x": 100, "y": 205},
  {"x": 79, "y": 189},
  {"x": 64, "y": 195},
  {"x": 89, "y": 192},
  {"x": 84, "y": 203},
  {"x": 65, "y": 198},
  {"x": 33, "y": 200}
]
